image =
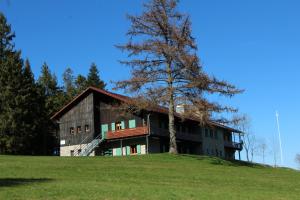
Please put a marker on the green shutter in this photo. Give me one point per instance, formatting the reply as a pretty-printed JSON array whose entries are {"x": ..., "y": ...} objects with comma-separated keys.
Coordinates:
[
  {"x": 123, "y": 124},
  {"x": 118, "y": 152},
  {"x": 104, "y": 129},
  {"x": 113, "y": 127},
  {"x": 128, "y": 150},
  {"x": 132, "y": 123},
  {"x": 138, "y": 149}
]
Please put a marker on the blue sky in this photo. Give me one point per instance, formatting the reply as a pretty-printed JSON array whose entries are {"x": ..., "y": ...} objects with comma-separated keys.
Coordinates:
[{"x": 253, "y": 44}]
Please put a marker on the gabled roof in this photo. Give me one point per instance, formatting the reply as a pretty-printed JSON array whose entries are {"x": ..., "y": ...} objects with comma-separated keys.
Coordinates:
[{"x": 122, "y": 98}]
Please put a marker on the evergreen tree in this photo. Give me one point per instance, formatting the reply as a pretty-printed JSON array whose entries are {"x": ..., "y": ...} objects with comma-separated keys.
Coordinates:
[
  {"x": 80, "y": 83},
  {"x": 69, "y": 85},
  {"x": 20, "y": 101},
  {"x": 10, "y": 76},
  {"x": 52, "y": 92},
  {"x": 93, "y": 78}
]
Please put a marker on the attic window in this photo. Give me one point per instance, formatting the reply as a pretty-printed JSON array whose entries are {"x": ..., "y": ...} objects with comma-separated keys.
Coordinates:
[
  {"x": 78, "y": 129},
  {"x": 72, "y": 130},
  {"x": 87, "y": 128}
]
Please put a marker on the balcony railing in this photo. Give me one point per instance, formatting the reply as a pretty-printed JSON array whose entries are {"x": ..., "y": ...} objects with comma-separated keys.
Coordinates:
[
  {"x": 234, "y": 145},
  {"x": 179, "y": 135},
  {"x": 125, "y": 133}
]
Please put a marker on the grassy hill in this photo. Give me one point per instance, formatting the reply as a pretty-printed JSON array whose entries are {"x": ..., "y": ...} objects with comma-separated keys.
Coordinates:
[{"x": 160, "y": 176}]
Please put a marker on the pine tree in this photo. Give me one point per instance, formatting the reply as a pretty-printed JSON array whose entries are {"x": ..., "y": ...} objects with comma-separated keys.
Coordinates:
[
  {"x": 165, "y": 66},
  {"x": 20, "y": 102},
  {"x": 93, "y": 78},
  {"x": 52, "y": 92},
  {"x": 69, "y": 85},
  {"x": 10, "y": 76},
  {"x": 80, "y": 83}
]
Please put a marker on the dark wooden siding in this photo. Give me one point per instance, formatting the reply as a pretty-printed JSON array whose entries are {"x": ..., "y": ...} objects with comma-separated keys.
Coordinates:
[
  {"x": 108, "y": 111},
  {"x": 80, "y": 115}
]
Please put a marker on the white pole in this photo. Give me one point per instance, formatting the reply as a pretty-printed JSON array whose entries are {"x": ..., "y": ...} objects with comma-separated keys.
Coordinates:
[{"x": 279, "y": 135}]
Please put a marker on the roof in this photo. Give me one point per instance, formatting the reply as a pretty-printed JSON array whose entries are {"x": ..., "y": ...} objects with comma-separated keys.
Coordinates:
[{"x": 122, "y": 98}]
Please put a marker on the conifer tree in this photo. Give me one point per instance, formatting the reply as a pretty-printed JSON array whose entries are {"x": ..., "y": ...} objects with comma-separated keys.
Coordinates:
[
  {"x": 165, "y": 66},
  {"x": 52, "y": 92},
  {"x": 69, "y": 84},
  {"x": 80, "y": 83},
  {"x": 20, "y": 102},
  {"x": 93, "y": 78}
]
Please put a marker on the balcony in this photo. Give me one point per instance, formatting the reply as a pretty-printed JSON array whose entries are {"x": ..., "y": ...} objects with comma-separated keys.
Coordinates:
[
  {"x": 179, "y": 135},
  {"x": 127, "y": 133},
  {"x": 234, "y": 145}
]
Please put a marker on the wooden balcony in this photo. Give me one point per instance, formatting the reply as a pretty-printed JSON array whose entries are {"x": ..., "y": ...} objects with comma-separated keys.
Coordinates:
[
  {"x": 233, "y": 145},
  {"x": 127, "y": 133},
  {"x": 179, "y": 135}
]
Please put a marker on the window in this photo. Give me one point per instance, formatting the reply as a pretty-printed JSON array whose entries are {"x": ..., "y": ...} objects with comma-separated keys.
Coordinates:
[
  {"x": 118, "y": 125},
  {"x": 87, "y": 128},
  {"x": 133, "y": 149},
  {"x": 72, "y": 130},
  {"x": 211, "y": 133},
  {"x": 78, "y": 129},
  {"x": 206, "y": 132},
  {"x": 216, "y": 135}
]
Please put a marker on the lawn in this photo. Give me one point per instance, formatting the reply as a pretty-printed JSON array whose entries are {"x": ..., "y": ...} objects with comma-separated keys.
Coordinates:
[{"x": 159, "y": 176}]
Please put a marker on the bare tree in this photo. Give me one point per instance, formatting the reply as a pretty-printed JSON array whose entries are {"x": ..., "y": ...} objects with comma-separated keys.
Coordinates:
[
  {"x": 165, "y": 67},
  {"x": 298, "y": 159},
  {"x": 262, "y": 148},
  {"x": 249, "y": 141}
]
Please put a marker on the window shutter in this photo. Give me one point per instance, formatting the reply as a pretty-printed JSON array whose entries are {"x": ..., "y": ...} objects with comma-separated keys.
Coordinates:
[
  {"x": 128, "y": 150},
  {"x": 113, "y": 127},
  {"x": 119, "y": 152},
  {"x": 132, "y": 123},
  {"x": 104, "y": 129},
  {"x": 138, "y": 149},
  {"x": 123, "y": 124}
]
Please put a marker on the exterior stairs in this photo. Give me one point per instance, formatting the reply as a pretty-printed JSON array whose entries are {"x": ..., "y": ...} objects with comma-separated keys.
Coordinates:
[{"x": 85, "y": 149}]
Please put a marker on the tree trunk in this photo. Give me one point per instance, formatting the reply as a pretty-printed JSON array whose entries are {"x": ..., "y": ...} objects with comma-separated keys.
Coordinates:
[
  {"x": 173, "y": 145},
  {"x": 172, "y": 131}
]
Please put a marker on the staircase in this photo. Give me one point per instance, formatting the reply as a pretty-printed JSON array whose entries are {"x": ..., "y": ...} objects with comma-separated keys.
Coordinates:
[{"x": 85, "y": 149}]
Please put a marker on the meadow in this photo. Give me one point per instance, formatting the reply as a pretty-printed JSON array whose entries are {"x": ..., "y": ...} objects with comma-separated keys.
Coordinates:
[{"x": 156, "y": 176}]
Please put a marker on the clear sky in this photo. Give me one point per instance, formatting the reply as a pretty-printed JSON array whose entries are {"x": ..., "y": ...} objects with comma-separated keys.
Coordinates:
[{"x": 253, "y": 44}]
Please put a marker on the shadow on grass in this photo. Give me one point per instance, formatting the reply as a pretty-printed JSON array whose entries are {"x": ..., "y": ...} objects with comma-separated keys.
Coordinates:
[{"x": 11, "y": 182}]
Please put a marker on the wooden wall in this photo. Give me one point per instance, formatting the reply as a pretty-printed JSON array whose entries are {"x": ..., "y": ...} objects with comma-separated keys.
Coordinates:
[{"x": 80, "y": 115}]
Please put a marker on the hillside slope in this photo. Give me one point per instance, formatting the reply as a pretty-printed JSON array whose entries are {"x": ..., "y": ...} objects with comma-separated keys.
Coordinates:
[{"x": 160, "y": 176}]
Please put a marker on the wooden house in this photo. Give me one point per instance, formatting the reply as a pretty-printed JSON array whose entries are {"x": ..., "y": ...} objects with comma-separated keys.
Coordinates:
[{"x": 94, "y": 124}]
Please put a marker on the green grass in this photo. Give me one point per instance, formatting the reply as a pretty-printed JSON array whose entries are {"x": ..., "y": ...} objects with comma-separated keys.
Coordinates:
[{"x": 160, "y": 176}]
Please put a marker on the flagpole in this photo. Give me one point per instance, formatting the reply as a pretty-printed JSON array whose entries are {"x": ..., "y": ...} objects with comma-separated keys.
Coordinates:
[{"x": 279, "y": 137}]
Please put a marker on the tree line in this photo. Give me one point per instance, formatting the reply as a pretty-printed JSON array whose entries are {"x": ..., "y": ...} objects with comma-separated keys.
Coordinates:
[{"x": 26, "y": 104}]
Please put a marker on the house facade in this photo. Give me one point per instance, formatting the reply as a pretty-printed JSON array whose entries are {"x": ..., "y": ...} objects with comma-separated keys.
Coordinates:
[{"x": 94, "y": 124}]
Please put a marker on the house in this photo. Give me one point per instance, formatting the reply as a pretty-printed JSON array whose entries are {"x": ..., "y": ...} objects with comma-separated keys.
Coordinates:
[{"x": 94, "y": 124}]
